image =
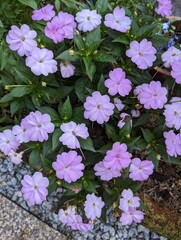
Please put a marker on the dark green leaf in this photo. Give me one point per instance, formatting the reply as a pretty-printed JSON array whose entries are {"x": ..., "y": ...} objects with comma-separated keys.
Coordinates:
[
  {"x": 87, "y": 144},
  {"x": 20, "y": 91},
  {"x": 102, "y": 5},
  {"x": 148, "y": 136},
  {"x": 93, "y": 36},
  {"x": 55, "y": 139},
  {"x": 30, "y": 3},
  {"x": 66, "y": 110},
  {"x": 67, "y": 56},
  {"x": 111, "y": 132},
  {"x": 102, "y": 56},
  {"x": 15, "y": 106},
  {"x": 52, "y": 184},
  {"x": 35, "y": 159},
  {"x": 100, "y": 86},
  {"x": 7, "y": 98}
]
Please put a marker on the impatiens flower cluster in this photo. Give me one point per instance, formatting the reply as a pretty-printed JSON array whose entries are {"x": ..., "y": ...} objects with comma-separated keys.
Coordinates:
[
  {"x": 8, "y": 142},
  {"x": 21, "y": 40},
  {"x": 15, "y": 157},
  {"x": 117, "y": 83},
  {"x": 164, "y": 7},
  {"x": 173, "y": 143},
  {"x": 170, "y": 56},
  {"x": 153, "y": 95},
  {"x": 128, "y": 204},
  {"x": 45, "y": 13},
  {"x": 88, "y": 20},
  {"x": 68, "y": 166},
  {"x": 118, "y": 21},
  {"x": 98, "y": 108},
  {"x": 67, "y": 69},
  {"x": 176, "y": 71},
  {"x": 34, "y": 188},
  {"x": 142, "y": 54},
  {"x": 71, "y": 132}
]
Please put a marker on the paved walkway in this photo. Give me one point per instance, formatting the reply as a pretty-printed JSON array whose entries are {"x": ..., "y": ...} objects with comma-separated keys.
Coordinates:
[{"x": 18, "y": 224}]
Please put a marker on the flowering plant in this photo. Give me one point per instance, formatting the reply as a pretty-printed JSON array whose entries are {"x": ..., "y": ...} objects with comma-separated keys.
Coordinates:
[{"x": 81, "y": 99}]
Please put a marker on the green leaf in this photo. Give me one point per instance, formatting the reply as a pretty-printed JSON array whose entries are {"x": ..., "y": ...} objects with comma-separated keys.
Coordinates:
[
  {"x": 90, "y": 186},
  {"x": 80, "y": 89},
  {"x": 87, "y": 144},
  {"x": 22, "y": 76},
  {"x": 4, "y": 59},
  {"x": 146, "y": 30},
  {"x": 102, "y": 56},
  {"x": 15, "y": 106},
  {"x": 111, "y": 132},
  {"x": 30, "y": 3},
  {"x": 125, "y": 131},
  {"x": 35, "y": 159},
  {"x": 122, "y": 39},
  {"x": 105, "y": 148},
  {"x": 69, "y": 3},
  {"x": 110, "y": 196},
  {"x": 148, "y": 136},
  {"x": 93, "y": 36},
  {"x": 143, "y": 119},
  {"x": 100, "y": 86},
  {"x": 7, "y": 98},
  {"x": 20, "y": 91},
  {"x": 79, "y": 42},
  {"x": 66, "y": 56},
  {"x": 57, "y": 5},
  {"x": 53, "y": 114},
  {"x": 66, "y": 110},
  {"x": 102, "y": 5},
  {"x": 90, "y": 67},
  {"x": 55, "y": 139},
  {"x": 52, "y": 184}
]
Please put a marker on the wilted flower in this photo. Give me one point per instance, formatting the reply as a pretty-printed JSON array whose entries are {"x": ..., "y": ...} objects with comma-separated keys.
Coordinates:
[
  {"x": 38, "y": 126},
  {"x": 41, "y": 62},
  {"x": 135, "y": 113},
  {"x": 124, "y": 118},
  {"x": 8, "y": 141},
  {"x": 34, "y": 188},
  {"x": 172, "y": 115},
  {"x": 118, "y": 103},
  {"x": 106, "y": 173},
  {"x": 78, "y": 224},
  {"x": 170, "y": 56},
  {"x": 153, "y": 95},
  {"x": 173, "y": 143},
  {"x": 67, "y": 216},
  {"x": 176, "y": 71},
  {"x": 15, "y": 157},
  {"x": 117, "y": 83},
  {"x": 20, "y": 132},
  {"x": 140, "y": 170},
  {"x": 98, "y": 108},
  {"x": 142, "y": 54},
  {"x": 88, "y": 20},
  {"x": 128, "y": 200},
  {"x": 71, "y": 132},
  {"x": 118, "y": 20},
  {"x": 67, "y": 69},
  {"x": 130, "y": 216},
  {"x": 164, "y": 8},
  {"x": 118, "y": 157},
  {"x": 21, "y": 39},
  {"x": 93, "y": 206},
  {"x": 44, "y": 13},
  {"x": 68, "y": 166}
]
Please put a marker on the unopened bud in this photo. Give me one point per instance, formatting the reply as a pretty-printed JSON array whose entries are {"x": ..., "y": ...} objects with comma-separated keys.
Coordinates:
[
  {"x": 43, "y": 84},
  {"x": 71, "y": 52},
  {"x": 158, "y": 156}
]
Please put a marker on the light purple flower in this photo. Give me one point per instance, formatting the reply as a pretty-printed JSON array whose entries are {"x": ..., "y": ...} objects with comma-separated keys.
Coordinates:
[
  {"x": 117, "y": 83},
  {"x": 41, "y": 62},
  {"x": 173, "y": 143},
  {"x": 98, "y": 108},
  {"x": 79, "y": 225},
  {"x": 71, "y": 132},
  {"x": 172, "y": 115},
  {"x": 67, "y": 216},
  {"x": 130, "y": 216},
  {"x": 54, "y": 32},
  {"x": 68, "y": 166},
  {"x": 67, "y": 69},
  {"x": 20, "y": 132},
  {"x": 118, "y": 103},
  {"x": 38, "y": 126},
  {"x": 176, "y": 71},
  {"x": 164, "y": 8},
  {"x": 140, "y": 170},
  {"x": 8, "y": 142},
  {"x": 106, "y": 173},
  {"x": 170, "y": 56},
  {"x": 93, "y": 206},
  {"x": 44, "y": 13},
  {"x": 128, "y": 200},
  {"x": 15, "y": 157},
  {"x": 21, "y": 39},
  {"x": 142, "y": 54},
  {"x": 118, "y": 20},
  {"x": 34, "y": 188},
  {"x": 118, "y": 157},
  {"x": 153, "y": 95},
  {"x": 88, "y": 20},
  {"x": 124, "y": 118},
  {"x": 135, "y": 113},
  {"x": 137, "y": 90}
]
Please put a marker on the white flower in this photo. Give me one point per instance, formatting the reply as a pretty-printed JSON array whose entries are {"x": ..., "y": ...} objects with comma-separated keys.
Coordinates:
[
  {"x": 15, "y": 158},
  {"x": 88, "y": 20},
  {"x": 170, "y": 56},
  {"x": 118, "y": 103},
  {"x": 67, "y": 69}
]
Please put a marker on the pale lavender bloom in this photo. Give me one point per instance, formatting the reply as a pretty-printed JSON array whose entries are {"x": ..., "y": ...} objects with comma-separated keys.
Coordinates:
[
  {"x": 88, "y": 20},
  {"x": 173, "y": 143},
  {"x": 68, "y": 166},
  {"x": 44, "y": 13},
  {"x": 67, "y": 69},
  {"x": 21, "y": 39},
  {"x": 135, "y": 113},
  {"x": 41, "y": 62},
  {"x": 117, "y": 83},
  {"x": 34, "y": 188},
  {"x": 124, "y": 118},
  {"x": 176, "y": 71},
  {"x": 118, "y": 103},
  {"x": 106, "y": 173},
  {"x": 71, "y": 132},
  {"x": 137, "y": 90},
  {"x": 15, "y": 157},
  {"x": 8, "y": 142},
  {"x": 153, "y": 95},
  {"x": 93, "y": 206},
  {"x": 128, "y": 200},
  {"x": 172, "y": 115},
  {"x": 67, "y": 216},
  {"x": 78, "y": 224},
  {"x": 175, "y": 99},
  {"x": 140, "y": 170},
  {"x": 118, "y": 157},
  {"x": 98, "y": 108},
  {"x": 170, "y": 56},
  {"x": 20, "y": 132},
  {"x": 54, "y": 32},
  {"x": 118, "y": 20},
  {"x": 164, "y": 8},
  {"x": 38, "y": 126},
  {"x": 142, "y": 54},
  {"x": 130, "y": 216}
]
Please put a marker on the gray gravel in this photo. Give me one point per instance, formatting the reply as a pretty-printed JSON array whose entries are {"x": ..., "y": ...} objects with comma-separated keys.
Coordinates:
[{"x": 10, "y": 177}]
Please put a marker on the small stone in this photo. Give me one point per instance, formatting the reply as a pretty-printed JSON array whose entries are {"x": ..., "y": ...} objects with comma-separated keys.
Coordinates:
[
  {"x": 3, "y": 169},
  {"x": 154, "y": 235},
  {"x": 106, "y": 236},
  {"x": 10, "y": 166},
  {"x": 14, "y": 181},
  {"x": 112, "y": 231},
  {"x": 146, "y": 236},
  {"x": 113, "y": 238},
  {"x": 141, "y": 228},
  {"x": 125, "y": 234},
  {"x": 131, "y": 232},
  {"x": 106, "y": 228},
  {"x": 120, "y": 233},
  {"x": 163, "y": 238}
]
